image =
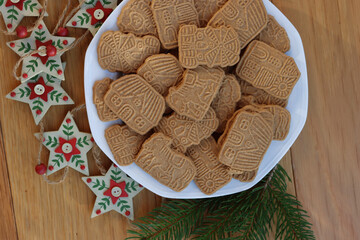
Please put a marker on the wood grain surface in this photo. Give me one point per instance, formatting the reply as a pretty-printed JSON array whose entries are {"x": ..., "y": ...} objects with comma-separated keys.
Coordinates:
[{"x": 324, "y": 161}]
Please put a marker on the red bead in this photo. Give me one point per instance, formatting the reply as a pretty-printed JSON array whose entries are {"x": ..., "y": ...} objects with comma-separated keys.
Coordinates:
[
  {"x": 68, "y": 120},
  {"x": 65, "y": 42},
  {"x": 98, "y": 211},
  {"x": 82, "y": 167},
  {"x": 63, "y": 32},
  {"x": 12, "y": 94},
  {"x": 51, "y": 50},
  {"x": 115, "y": 165},
  {"x": 40, "y": 169},
  {"x": 74, "y": 23},
  {"x": 88, "y": 180},
  {"x": 38, "y": 112},
  {"x": 21, "y": 32},
  {"x": 12, "y": 44},
  {"x": 59, "y": 72},
  {"x": 92, "y": 139},
  {"x": 51, "y": 168},
  {"x": 40, "y": 26},
  {"x": 25, "y": 75},
  {"x": 65, "y": 98},
  {"x": 9, "y": 25},
  {"x": 127, "y": 213},
  {"x": 140, "y": 185}
]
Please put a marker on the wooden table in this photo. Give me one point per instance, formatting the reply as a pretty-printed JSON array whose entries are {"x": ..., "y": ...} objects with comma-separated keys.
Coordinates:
[{"x": 324, "y": 161}]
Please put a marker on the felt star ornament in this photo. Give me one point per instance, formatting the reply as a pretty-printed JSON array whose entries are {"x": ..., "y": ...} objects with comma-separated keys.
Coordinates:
[
  {"x": 47, "y": 61},
  {"x": 41, "y": 92},
  {"x": 92, "y": 14},
  {"x": 114, "y": 191},
  {"x": 68, "y": 147}
]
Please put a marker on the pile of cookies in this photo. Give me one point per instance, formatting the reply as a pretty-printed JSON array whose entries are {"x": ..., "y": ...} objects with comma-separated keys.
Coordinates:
[{"x": 203, "y": 89}]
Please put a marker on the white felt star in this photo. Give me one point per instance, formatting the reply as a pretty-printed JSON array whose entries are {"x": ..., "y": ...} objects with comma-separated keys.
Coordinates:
[
  {"x": 114, "y": 191},
  {"x": 40, "y": 62},
  {"x": 92, "y": 14},
  {"x": 68, "y": 147}
]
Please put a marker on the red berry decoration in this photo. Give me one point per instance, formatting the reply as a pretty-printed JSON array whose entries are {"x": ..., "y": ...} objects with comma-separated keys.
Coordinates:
[
  {"x": 40, "y": 26},
  {"x": 88, "y": 180},
  {"x": 65, "y": 42},
  {"x": 98, "y": 211},
  {"x": 38, "y": 112},
  {"x": 40, "y": 169},
  {"x": 127, "y": 213},
  {"x": 74, "y": 23},
  {"x": 21, "y": 31},
  {"x": 82, "y": 167},
  {"x": 63, "y": 32},
  {"x": 68, "y": 120},
  {"x": 12, "y": 94},
  {"x": 51, "y": 50},
  {"x": 59, "y": 72},
  {"x": 25, "y": 75},
  {"x": 65, "y": 98},
  {"x": 9, "y": 25},
  {"x": 12, "y": 44},
  {"x": 51, "y": 168}
]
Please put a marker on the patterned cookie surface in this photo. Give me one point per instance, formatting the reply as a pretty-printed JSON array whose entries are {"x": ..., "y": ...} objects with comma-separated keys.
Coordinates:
[
  {"x": 247, "y": 176},
  {"x": 135, "y": 102},
  {"x": 208, "y": 46},
  {"x": 124, "y": 143},
  {"x": 207, "y": 8},
  {"x": 169, "y": 15},
  {"x": 282, "y": 119},
  {"x": 99, "y": 90},
  {"x": 211, "y": 175},
  {"x": 162, "y": 71},
  {"x": 186, "y": 132},
  {"x": 193, "y": 96},
  {"x": 169, "y": 167},
  {"x": 275, "y": 35},
  {"x": 269, "y": 69},
  {"x": 247, "y": 17},
  {"x": 225, "y": 101},
  {"x": 122, "y": 52}
]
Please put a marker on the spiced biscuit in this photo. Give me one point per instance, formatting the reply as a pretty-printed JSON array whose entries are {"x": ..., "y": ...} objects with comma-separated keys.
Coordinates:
[
  {"x": 275, "y": 35},
  {"x": 169, "y": 167},
  {"x": 282, "y": 119},
  {"x": 211, "y": 175},
  {"x": 193, "y": 96},
  {"x": 207, "y": 8},
  {"x": 135, "y": 102},
  {"x": 186, "y": 132},
  {"x": 247, "y": 176},
  {"x": 213, "y": 47},
  {"x": 125, "y": 53},
  {"x": 169, "y": 15},
  {"x": 124, "y": 143},
  {"x": 162, "y": 71},
  {"x": 247, "y": 17},
  {"x": 99, "y": 90},
  {"x": 269, "y": 69}
]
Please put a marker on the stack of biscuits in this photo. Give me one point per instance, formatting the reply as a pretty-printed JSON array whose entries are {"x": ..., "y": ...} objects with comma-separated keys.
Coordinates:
[{"x": 203, "y": 90}]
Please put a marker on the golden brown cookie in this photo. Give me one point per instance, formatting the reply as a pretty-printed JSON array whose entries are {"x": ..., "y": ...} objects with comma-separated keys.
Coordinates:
[
  {"x": 99, "y": 90},
  {"x": 247, "y": 17},
  {"x": 166, "y": 165},
  {"x": 169, "y": 15},
  {"x": 275, "y": 35},
  {"x": 213, "y": 47},
  {"x": 269, "y": 69},
  {"x": 211, "y": 175},
  {"x": 282, "y": 119},
  {"x": 186, "y": 132},
  {"x": 247, "y": 176},
  {"x": 225, "y": 101},
  {"x": 125, "y": 53},
  {"x": 162, "y": 71},
  {"x": 124, "y": 143},
  {"x": 135, "y": 102},
  {"x": 136, "y": 17},
  {"x": 193, "y": 96},
  {"x": 207, "y": 8}
]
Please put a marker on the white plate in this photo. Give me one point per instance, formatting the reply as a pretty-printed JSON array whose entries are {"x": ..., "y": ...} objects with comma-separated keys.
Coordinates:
[{"x": 298, "y": 105}]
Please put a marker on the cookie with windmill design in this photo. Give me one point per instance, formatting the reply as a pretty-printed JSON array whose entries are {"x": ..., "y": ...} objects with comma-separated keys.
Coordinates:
[
  {"x": 135, "y": 102},
  {"x": 166, "y": 165},
  {"x": 161, "y": 71},
  {"x": 193, "y": 96},
  {"x": 125, "y": 53},
  {"x": 213, "y": 47},
  {"x": 100, "y": 88},
  {"x": 275, "y": 35},
  {"x": 136, "y": 17},
  {"x": 186, "y": 132},
  {"x": 211, "y": 175},
  {"x": 247, "y": 17},
  {"x": 246, "y": 176},
  {"x": 169, "y": 15},
  {"x": 207, "y": 8},
  {"x": 269, "y": 69}
]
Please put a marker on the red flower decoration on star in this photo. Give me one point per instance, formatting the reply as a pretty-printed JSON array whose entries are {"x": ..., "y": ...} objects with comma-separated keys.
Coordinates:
[
  {"x": 44, "y": 94},
  {"x": 105, "y": 12},
  {"x": 19, "y": 4},
  {"x": 120, "y": 185},
  {"x": 67, "y": 154},
  {"x": 40, "y": 44}
]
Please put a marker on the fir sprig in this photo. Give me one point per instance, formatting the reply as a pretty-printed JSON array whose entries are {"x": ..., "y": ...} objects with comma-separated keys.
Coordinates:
[{"x": 246, "y": 215}]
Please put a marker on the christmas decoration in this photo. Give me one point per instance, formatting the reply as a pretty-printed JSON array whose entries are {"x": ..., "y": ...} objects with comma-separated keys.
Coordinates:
[
  {"x": 92, "y": 14},
  {"x": 41, "y": 92},
  {"x": 41, "y": 40},
  {"x": 114, "y": 191},
  {"x": 68, "y": 147}
]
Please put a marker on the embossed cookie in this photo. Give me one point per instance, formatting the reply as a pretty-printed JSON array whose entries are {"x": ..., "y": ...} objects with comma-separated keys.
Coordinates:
[
  {"x": 213, "y": 47},
  {"x": 136, "y": 17},
  {"x": 135, "y": 102},
  {"x": 247, "y": 17},
  {"x": 211, "y": 175},
  {"x": 282, "y": 120},
  {"x": 247, "y": 139},
  {"x": 169, "y": 15},
  {"x": 162, "y": 71},
  {"x": 275, "y": 35},
  {"x": 166, "y": 165},
  {"x": 269, "y": 69},
  {"x": 125, "y": 53},
  {"x": 193, "y": 96},
  {"x": 99, "y": 90},
  {"x": 124, "y": 143},
  {"x": 225, "y": 101},
  {"x": 247, "y": 176},
  {"x": 186, "y": 132},
  {"x": 207, "y": 8}
]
